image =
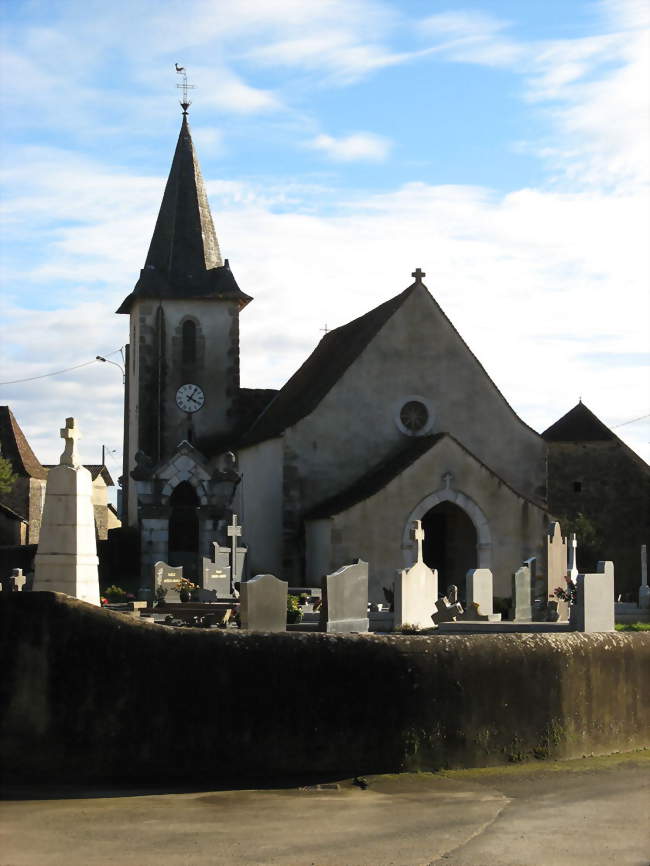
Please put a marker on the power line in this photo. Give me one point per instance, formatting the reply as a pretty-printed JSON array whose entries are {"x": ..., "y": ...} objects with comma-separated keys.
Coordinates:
[
  {"x": 58, "y": 372},
  {"x": 640, "y": 418}
]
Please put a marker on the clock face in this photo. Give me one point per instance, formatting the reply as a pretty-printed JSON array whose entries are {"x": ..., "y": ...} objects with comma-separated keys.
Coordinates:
[{"x": 190, "y": 398}]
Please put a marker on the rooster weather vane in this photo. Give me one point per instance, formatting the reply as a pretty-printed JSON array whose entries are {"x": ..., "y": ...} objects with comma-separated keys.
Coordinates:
[{"x": 185, "y": 103}]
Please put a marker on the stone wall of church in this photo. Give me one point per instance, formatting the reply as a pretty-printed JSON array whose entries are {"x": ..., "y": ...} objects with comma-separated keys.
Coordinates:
[
  {"x": 259, "y": 504},
  {"x": 509, "y": 528},
  {"x": 416, "y": 356}
]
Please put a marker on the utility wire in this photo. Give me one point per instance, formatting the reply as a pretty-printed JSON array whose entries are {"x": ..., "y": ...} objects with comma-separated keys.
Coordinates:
[
  {"x": 57, "y": 372},
  {"x": 640, "y": 418}
]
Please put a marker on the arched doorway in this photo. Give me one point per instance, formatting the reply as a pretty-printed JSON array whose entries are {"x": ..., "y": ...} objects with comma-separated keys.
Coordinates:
[
  {"x": 450, "y": 544},
  {"x": 184, "y": 529}
]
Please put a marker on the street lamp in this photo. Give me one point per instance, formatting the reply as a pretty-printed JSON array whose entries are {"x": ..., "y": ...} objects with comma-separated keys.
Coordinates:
[{"x": 115, "y": 364}]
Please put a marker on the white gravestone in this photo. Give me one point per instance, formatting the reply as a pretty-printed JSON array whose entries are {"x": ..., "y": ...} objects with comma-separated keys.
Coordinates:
[
  {"x": 66, "y": 559},
  {"x": 416, "y": 589},
  {"x": 522, "y": 595},
  {"x": 556, "y": 559},
  {"x": 594, "y": 607},
  {"x": 345, "y": 599},
  {"x": 263, "y": 604},
  {"x": 644, "y": 589},
  {"x": 572, "y": 568},
  {"x": 478, "y": 591}
]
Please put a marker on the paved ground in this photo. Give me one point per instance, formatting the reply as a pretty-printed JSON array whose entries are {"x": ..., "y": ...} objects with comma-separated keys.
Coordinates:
[{"x": 594, "y": 811}]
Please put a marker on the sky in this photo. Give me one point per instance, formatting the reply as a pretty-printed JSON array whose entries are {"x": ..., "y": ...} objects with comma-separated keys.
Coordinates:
[{"x": 500, "y": 146}]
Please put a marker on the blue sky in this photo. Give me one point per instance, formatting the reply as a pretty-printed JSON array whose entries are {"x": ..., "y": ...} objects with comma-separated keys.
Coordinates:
[{"x": 500, "y": 146}]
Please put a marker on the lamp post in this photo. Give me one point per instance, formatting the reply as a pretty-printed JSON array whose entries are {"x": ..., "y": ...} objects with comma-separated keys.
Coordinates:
[{"x": 115, "y": 364}]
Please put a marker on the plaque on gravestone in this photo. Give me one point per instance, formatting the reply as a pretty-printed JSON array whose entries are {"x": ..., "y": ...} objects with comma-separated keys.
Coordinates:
[{"x": 168, "y": 577}]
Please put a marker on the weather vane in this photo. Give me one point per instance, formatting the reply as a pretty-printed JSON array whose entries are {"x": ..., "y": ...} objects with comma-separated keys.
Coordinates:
[{"x": 185, "y": 104}]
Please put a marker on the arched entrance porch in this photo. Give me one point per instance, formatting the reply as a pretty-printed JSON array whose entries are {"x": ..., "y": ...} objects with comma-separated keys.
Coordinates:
[{"x": 184, "y": 529}]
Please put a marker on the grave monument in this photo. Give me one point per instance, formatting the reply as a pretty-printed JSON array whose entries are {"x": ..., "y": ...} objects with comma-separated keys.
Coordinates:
[
  {"x": 416, "y": 589},
  {"x": 66, "y": 559},
  {"x": 345, "y": 599},
  {"x": 263, "y": 604}
]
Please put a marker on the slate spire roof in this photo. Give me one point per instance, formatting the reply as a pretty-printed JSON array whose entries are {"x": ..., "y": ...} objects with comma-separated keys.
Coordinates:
[
  {"x": 184, "y": 259},
  {"x": 15, "y": 447}
]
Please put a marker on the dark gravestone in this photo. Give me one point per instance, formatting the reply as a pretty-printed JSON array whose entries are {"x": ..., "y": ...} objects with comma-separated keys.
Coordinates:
[
  {"x": 168, "y": 577},
  {"x": 345, "y": 599}
]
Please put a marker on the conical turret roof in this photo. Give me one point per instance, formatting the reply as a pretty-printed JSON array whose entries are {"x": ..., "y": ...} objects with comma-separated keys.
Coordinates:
[{"x": 184, "y": 260}]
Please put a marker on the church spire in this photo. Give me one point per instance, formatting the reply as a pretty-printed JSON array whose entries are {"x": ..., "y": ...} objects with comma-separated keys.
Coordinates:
[
  {"x": 184, "y": 242},
  {"x": 184, "y": 259}
]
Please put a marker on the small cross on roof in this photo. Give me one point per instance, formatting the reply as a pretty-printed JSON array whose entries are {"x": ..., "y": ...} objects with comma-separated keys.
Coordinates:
[{"x": 418, "y": 273}]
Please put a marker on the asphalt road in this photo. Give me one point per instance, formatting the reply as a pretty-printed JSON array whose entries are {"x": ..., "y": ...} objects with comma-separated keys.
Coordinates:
[{"x": 595, "y": 811}]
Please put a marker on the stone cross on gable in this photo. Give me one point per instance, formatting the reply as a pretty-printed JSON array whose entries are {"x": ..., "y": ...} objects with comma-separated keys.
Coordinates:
[
  {"x": 418, "y": 274},
  {"x": 234, "y": 531},
  {"x": 70, "y": 434},
  {"x": 418, "y": 535}
]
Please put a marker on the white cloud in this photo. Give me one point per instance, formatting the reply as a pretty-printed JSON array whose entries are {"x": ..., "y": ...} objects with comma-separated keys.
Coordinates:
[
  {"x": 354, "y": 147},
  {"x": 471, "y": 37}
]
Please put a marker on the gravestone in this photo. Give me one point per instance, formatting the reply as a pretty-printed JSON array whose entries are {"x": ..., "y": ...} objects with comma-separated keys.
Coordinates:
[
  {"x": 644, "y": 589},
  {"x": 66, "y": 558},
  {"x": 345, "y": 599},
  {"x": 522, "y": 595},
  {"x": 556, "y": 559},
  {"x": 216, "y": 575},
  {"x": 594, "y": 607},
  {"x": 478, "y": 583},
  {"x": 416, "y": 589},
  {"x": 15, "y": 582},
  {"x": 572, "y": 565},
  {"x": 168, "y": 577},
  {"x": 263, "y": 604},
  {"x": 448, "y": 607}
]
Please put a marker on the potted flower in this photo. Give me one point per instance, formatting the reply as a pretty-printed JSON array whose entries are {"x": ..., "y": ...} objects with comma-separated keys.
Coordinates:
[
  {"x": 294, "y": 614},
  {"x": 185, "y": 588}
]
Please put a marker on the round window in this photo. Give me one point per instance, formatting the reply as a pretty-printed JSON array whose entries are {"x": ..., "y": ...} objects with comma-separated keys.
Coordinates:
[{"x": 414, "y": 415}]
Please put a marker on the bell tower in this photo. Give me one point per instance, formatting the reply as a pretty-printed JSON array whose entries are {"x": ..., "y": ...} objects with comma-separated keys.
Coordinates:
[{"x": 182, "y": 362}]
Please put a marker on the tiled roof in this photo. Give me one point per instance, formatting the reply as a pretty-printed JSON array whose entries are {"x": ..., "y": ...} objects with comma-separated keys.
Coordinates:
[
  {"x": 184, "y": 260},
  {"x": 16, "y": 448},
  {"x": 323, "y": 368},
  {"x": 581, "y": 425},
  {"x": 95, "y": 470}
]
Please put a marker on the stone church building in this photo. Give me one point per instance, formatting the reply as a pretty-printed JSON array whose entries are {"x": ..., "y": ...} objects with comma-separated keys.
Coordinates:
[{"x": 391, "y": 419}]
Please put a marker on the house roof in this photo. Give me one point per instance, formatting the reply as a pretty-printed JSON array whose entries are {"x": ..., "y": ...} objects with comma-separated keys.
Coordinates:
[
  {"x": 95, "y": 469},
  {"x": 323, "y": 368},
  {"x": 184, "y": 260},
  {"x": 11, "y": 514},
  {"x": 581, "y": 425},
  {"x": 16, "y": 448},
  {"x": 391, "y": 467}
]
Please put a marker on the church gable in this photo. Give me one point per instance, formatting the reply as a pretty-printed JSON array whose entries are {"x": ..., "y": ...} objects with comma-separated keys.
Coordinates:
[{"x": 413, "y": 376}]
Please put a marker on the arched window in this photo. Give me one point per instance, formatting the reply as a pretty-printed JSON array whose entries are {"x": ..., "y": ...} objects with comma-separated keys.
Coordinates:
[{"x": 189, "y": 342}]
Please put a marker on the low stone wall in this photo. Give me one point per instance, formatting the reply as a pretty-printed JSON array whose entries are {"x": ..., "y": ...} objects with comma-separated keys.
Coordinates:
[{"x": 92, "y": 695}]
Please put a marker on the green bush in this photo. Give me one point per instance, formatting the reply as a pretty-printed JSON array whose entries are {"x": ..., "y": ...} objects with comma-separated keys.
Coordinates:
[
  {"x": 633, "y": 626},
  {"x": 294, "y": 614},
  {"x": 115, "y": 594}
]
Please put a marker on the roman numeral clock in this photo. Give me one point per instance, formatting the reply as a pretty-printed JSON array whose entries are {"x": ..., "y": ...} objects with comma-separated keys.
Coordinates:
[{"x": 190, "y": 398}]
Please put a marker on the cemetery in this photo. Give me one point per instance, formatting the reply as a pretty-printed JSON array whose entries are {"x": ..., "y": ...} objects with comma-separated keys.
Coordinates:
[{"x": 352, "y": 686}]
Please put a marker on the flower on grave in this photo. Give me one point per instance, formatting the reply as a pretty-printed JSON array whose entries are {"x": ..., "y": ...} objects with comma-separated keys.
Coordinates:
[
  {"x": 103, "y": 601},
  {"x": 568, "y": 594},
  {"x": 185, "y": 585}
]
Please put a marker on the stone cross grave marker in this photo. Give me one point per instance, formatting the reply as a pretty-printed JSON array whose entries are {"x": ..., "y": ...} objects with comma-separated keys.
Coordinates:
[
  {"x": 644, "y": 589},
  {"x": 15, "y": 582},
  {"x": 345, "y": 599},
  {"x": 416, "y": 589},
  {"x": 448, "y": 607},
  {"x": 66, "y": 559},
  {"x": 168, "y": 576},
  {"x": 263, "y": 604},
  {"x": 594, "y": 607},
  {"x": 234, "y": 532}
]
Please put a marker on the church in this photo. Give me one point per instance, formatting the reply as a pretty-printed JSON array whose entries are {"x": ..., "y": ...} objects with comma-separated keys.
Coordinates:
[{"x": 389, "y": 420}]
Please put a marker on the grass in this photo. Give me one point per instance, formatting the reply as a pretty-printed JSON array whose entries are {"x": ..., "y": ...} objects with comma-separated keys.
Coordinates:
[{"x": 633, "y": 626}]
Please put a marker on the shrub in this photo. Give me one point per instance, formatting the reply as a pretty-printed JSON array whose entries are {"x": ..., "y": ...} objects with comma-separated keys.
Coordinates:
[{"x": 294, "y": 614}]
